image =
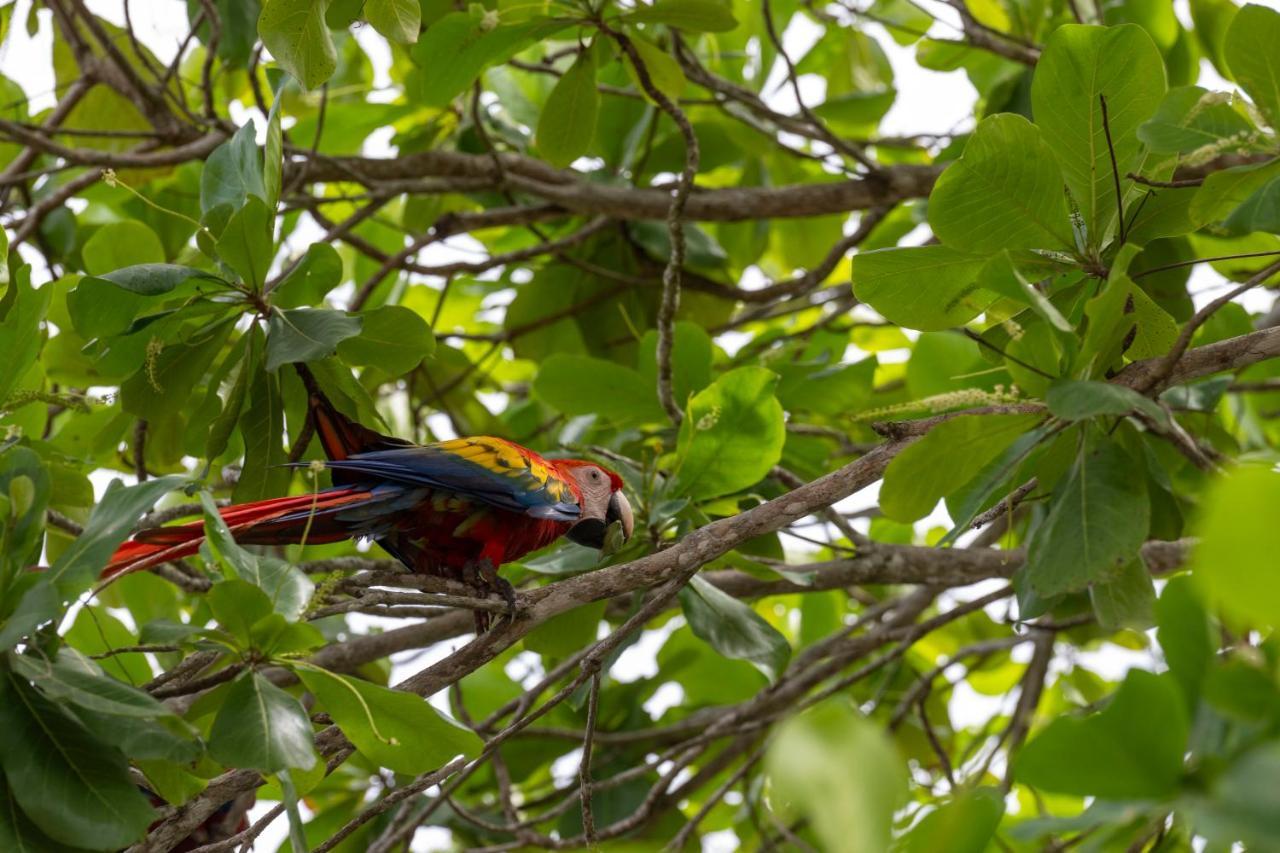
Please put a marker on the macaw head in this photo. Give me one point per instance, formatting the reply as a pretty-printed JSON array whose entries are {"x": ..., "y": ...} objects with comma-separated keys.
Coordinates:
[{"x": 603, "y": 502}]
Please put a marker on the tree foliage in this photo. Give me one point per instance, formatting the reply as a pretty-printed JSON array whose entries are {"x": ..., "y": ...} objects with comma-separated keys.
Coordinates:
[{"x": 670, "y": 235}]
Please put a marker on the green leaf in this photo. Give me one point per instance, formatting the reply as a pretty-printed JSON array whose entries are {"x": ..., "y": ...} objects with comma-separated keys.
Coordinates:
[
  {"x": 295, "y": 33},
  {"x": 148, "y": 739},
  {"x": 393, "y": 729},
  {"x": 318, "y": 272},
  {"x": 224, "y": 424},
  {"x": 1223, "y": 192},
  {"x": 287, "y": 587},
  {"x": 262, "y": 424},
  {"x": 1189, "y": 118},
  {"x": 1001, "y": 275},
  {"x": 457, "y": 47},
  {"x": 1080, "y": 65},
  {"x": 70, "y": 784},
  {"x": 73, "y": 677},
  {"x": 260, "y": 727},
  {"x": 108, "y": 526},
  {"x": 398, "y": 20},
  {"x": 22, "y": 308},
  {"x": 568, "y": 121},
  {"x": 839, "y": 770},
  {"x": 233, "y": 172},
  {"x": 1129, "y": 756},
  {"x": 1005, "y": 192},
  {"x": 1185, "y": 635},
  {"x": 561, "y": 636},
  {"x": 238, "y": 605},
  {"x": 1259, "y": 212},
  {"x": 155, "y": 279},
  {"x": 1233, "y": 564},
  {"x": 1096, "y": 523},
  {"x": 921, "y": 287},
  {"x": 273, "y": 152},
  {"x": 1077, "y": 400},
  {"x": 732, "y": 628},
  {"x": 966, "y": 824},
  {"x": 574, "y": 385},
  {"x": 306, "y": 334},
  {"x": 163, "y": 386},
  {"x": 246, "y": 244},
  {"x": 950, "y": 455},
  {"x": 1241, "y": 809},
  {"x": 392, "y": 337},
  {"x": 1250, "y": 52},
  {"x": 121, "y": 244},
  {"x": 691, "y": 357},
  {"x": 1125, "y": 601},
  {"x": 664, "y": 71},
  {"x": 699, "y": 16},
  {"x": 731, "y": 436},
  {"x": 18, "y": 834}
]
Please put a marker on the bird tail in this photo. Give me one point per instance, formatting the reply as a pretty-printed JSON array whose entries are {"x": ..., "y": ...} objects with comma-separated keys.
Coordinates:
[
  {"x": 339, "y": 435},
  {"x": 277, "y": 521}
]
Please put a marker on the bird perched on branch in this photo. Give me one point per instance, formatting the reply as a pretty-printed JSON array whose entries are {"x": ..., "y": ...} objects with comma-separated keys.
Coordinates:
[{"x": 458, "y": 508}]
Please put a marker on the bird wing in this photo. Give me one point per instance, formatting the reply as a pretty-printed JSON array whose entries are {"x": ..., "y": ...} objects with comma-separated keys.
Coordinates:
[{"x": 493, "y": 471}]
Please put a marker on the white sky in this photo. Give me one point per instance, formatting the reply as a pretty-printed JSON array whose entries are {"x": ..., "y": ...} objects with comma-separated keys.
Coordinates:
[{"x": 927, "y": 102}]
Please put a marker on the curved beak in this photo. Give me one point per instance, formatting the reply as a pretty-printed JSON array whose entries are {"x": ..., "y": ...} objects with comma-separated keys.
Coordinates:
[
  {"x": 591, "y": 532},
  {"x": 620, "y": 510}
]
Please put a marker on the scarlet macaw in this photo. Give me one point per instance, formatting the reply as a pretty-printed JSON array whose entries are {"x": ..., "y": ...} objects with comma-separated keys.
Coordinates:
[{"x": 458, "y": 508}]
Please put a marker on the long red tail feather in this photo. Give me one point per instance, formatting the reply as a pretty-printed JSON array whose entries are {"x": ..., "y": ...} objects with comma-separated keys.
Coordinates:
[{"x": 250, "y": 523}]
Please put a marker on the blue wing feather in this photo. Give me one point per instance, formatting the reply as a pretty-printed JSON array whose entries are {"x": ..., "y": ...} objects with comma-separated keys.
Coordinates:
[{"x": 488, "y": 470}]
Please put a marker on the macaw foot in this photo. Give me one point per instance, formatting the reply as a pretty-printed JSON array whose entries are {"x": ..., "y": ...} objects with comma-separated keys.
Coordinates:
[
  {"x": 489, "y": 572},
  {"x": 483, "y": 576}
]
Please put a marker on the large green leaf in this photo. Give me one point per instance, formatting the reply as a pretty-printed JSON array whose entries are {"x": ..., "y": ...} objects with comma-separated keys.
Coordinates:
[
  {"x": 246, "y": 243},
  {"x": 950, "y": 455},
  {"x": 732, "y": 628},
  {"x": 1234, "y": 561},
  {"x": 72, "y": 677},
  {"x": 836, "y": 768},
  {"x": 568, "y": 122},
  {"x": 1080, "y": 66},
  {"x": 1250, "y": 51},
  {"x": 392, "y": 337},
  {"x": 398, "y": 20},
  {"x": 316, "y": 273},
  {"x": 731, "y": 436},
  {"x": 1096, "y": 523},
  {"x": 397, "y": 730},
  {"x": 921, "y": 287},
  {"x": 70, "y": 784},
  {"x": 1185, "y": 634},
  {"x": 288, "y": 587},
  {"x": 1130, "y": 756},
  {"x": 581, "y": 385},
  {"x": 121, "y": 244},
  {"x": 233, "y": 171},
  {"x": 307, "y": 334},
  {"x": 108, "y": 526},
  {"x": 1189, "y": 118},
  {"x": 261, "y": 727},
  {"x": 1076, "y": 400},
  {"x": 295, "y": 33},
  {"x": 17, "y": 832},
  {"x": 457, "y": 47},
  {"x": 21, "y": 310},
  {"x": 700, "y": 16},
  {"x": 965, "y": 824},
  {"x": 1004, "y": 193}
]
